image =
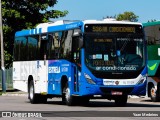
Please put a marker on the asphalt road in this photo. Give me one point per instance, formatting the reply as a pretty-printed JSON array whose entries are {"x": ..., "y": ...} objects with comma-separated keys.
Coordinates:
[{"x": 137, "y": 108}]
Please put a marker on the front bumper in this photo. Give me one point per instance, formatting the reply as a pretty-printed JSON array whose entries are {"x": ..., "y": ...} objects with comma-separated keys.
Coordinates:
[{"x": 107, "y": 90}]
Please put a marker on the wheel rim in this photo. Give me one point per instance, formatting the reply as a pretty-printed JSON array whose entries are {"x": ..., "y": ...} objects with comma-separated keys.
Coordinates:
[
  {"x": 153, "y": 92},
  {"x": 67, "y": 95},
  {"x": 31, "y": 92}
]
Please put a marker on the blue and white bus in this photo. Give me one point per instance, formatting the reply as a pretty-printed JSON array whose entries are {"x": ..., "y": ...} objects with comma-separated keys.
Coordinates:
[{"x": 78, "y": 60}]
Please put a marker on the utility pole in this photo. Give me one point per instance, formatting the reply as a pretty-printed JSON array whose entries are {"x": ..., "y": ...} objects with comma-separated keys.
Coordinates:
[{"x": 2, "y": 52}]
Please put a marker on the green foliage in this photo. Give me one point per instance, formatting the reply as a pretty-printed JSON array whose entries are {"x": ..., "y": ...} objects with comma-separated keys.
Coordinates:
[
  {"x": 24, "y": 14},
  {"x": 130, "y": 16}
]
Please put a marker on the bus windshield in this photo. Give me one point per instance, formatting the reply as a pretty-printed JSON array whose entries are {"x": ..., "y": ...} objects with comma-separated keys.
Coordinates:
[{"x": 116, "y": 52}]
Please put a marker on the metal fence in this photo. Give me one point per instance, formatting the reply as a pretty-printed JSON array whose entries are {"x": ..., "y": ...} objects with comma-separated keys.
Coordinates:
[{"x": 9, "y": 82}]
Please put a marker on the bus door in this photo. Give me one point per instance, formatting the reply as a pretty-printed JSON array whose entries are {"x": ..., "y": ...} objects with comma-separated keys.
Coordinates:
[
  {"x": 76, "y": 57},
  {"x": 75, "y": 79}
]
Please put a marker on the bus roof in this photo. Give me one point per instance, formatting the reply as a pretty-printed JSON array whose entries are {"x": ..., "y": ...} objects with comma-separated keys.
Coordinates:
[
  {"x": 109, "y": 21},
  {"x": 67, "y": 25},
  {"x": 151, "y": 23}
]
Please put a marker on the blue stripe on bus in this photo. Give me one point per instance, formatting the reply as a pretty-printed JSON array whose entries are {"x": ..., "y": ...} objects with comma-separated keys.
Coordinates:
[
  {"x": 65, "y": 27},
  {"x": 22, "y": 33},
  {"x": 49, "y": 29}
]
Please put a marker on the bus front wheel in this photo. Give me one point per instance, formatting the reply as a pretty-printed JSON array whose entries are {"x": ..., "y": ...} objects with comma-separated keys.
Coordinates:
[
  {"x": 69, "y": 99},
  {"x": 121, "y": 100}
]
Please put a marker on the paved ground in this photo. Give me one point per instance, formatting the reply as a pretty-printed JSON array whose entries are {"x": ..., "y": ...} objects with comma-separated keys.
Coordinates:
[{"x": 96, "y": 109}]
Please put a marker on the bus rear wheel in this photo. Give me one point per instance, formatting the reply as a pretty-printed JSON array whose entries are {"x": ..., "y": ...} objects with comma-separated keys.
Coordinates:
[
  {"x": 121, "y": 101},
  {"x": 32, "y": 96}
]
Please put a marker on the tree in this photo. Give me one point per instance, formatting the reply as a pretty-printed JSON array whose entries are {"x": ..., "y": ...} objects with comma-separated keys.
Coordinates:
[
  {"x": 24, "y": 14},
  {"x": 128, "y": 16}
]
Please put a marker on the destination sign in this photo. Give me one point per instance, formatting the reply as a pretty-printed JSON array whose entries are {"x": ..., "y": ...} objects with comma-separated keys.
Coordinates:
[
  {"x": 122, "y": 29},
  {"x": 100, "y": 29},
  {"x": 113, "y": 28}
]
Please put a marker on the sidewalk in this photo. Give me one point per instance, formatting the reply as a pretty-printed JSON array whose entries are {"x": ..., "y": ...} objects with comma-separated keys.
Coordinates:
[{"x": 13, "y": 92}]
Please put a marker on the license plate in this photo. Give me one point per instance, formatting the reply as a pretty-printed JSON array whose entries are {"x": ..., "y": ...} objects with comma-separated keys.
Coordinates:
[{"x": 116, "y": 93}]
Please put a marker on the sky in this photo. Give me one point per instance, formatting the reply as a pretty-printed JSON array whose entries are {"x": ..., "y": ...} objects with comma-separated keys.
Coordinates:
[{"x": 97, "y": 9}]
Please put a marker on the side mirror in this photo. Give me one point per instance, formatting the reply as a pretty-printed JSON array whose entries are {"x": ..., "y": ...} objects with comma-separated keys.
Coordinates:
[
  {"x": 77, "y": 32},
  {"x": 44, "y": 37}
]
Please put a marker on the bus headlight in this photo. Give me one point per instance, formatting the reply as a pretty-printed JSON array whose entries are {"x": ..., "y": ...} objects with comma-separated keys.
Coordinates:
[
  {"x": 142, "y": 80},
  {"x": 88, "y": 78}
]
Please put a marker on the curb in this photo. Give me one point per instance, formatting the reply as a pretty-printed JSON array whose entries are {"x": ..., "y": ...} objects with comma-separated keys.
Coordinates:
[
  {"x": 15, "y": 93},
  {"x": 134, "y": 96},
  {"x": 8, "y": 94}
]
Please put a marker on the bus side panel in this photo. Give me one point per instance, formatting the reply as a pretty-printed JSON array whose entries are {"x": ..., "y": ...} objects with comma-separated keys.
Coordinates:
[
  {"x": 17, "y": 82},
  {"x": 41, "y": 83},
  {"x": 57, "y": 69},
  {"x": 21, "y": 72}
]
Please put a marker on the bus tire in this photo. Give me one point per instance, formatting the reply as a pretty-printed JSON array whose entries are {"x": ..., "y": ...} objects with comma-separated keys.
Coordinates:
[
  {"x": 121, "y": 101},
  {"x": 32, "y": 96},
  {"x": 43, "y": 99},
  {"x": 69, "y": 99},
  {"x": 154, "y": 94},
  {"x": 83, "y": 100}
]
